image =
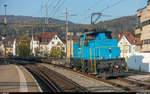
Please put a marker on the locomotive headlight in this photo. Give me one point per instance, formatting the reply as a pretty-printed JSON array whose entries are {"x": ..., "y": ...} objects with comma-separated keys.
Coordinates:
[{"x": 116, "y": 67}]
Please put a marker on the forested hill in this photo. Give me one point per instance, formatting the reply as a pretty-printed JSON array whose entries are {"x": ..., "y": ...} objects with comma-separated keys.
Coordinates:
[
  {"x": 123, "y": 24},
  {"x": 118, "y": 25},
  {"x": 29, "y": 19}
]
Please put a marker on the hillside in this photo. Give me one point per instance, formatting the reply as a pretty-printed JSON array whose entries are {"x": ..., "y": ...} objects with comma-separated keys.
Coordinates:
[
  {"x": 19, "y": 31},
  {"x": 29, "y": 19},
  {"x": 123, "y": 24},
  {"x": 119, "y": 25}
]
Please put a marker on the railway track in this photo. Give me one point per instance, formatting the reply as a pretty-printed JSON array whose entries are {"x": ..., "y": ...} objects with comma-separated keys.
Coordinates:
[
  {"x": 57, "y": 82},
  {"x": 141, "y": 84},
  {"x": 46, "y": 84},
  {"x": 127, "y": 84}
]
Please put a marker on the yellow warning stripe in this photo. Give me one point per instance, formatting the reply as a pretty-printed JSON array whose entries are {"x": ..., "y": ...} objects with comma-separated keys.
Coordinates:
[{"x": 91, "y": 60}]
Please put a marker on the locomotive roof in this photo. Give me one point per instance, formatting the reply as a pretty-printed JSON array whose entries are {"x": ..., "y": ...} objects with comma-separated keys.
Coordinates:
[{"x": 95, "y": 32}]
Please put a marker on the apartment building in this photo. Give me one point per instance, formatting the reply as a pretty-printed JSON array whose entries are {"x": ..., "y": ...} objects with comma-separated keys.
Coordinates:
[{"x": 143, "y": 27}]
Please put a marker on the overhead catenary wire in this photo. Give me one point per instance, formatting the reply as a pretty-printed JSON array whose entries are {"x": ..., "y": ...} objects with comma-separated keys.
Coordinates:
[
  {"x": 50, "y": 6},
  {"x": 91, "y": 8},
  {"x": 47, "y": 7},
  {"x": 57, "y": 3},
  {"x": 95, "y": 4},
  {"x": 58, "y": 8},
  {"x": 108, "y": 7},
  {"x": 111, "y": 6},
  {"x": 55, "y": 6}
]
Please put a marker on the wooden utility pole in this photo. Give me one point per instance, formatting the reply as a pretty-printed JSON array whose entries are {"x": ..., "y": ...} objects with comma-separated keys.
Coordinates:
[
  {"x": 66, "y": 12},
  {"x": 32, "y": 41},
  {"x": 46, "y": 18}
]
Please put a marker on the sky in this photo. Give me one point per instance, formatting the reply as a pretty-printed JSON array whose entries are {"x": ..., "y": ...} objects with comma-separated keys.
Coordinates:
[{"x": 81, "y": 9}]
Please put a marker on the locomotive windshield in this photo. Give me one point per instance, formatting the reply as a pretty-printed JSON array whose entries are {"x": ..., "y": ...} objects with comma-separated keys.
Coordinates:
[
  {"x": 98, "y": 36},
  {"x": 90, "y": 37},
  {"x": 103, "y": 35}
]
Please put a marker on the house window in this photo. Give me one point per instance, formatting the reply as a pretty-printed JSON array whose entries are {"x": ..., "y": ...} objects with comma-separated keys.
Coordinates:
[
  {"x": 148, "y": 2},
  {"x": 146, "y": 41},
  {"x": 135, "y": 41},
  {"x": 9, "y": 43}
]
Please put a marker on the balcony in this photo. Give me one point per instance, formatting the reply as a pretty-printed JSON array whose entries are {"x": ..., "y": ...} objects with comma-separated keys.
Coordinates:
[
  {"x": 138, "y": 31},
  {"x": 145, "y": 48},
  {"x": 139, "y": 14}
]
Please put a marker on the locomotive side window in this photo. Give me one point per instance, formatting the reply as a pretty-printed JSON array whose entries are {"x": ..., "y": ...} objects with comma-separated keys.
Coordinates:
[
  {"x": 89, "y": 38},
  {"x": 108, "y": 35}
]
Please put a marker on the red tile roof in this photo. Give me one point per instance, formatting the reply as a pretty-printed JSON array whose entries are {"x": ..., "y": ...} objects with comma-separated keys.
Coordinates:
[
  {"x": 6, "y": 40},
  {"x": 44, "y": 37},
  {"x": 133, "y": 40}
]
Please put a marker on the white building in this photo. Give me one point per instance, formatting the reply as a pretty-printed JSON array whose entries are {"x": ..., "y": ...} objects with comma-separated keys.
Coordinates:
[
  {"x": 128, "y": 42},
  {"x": 34, "y": 44},
  {"x": 15, "y": 48},
  {"x": 9, "y": 46},
  {"x": 43, "y": 42}
]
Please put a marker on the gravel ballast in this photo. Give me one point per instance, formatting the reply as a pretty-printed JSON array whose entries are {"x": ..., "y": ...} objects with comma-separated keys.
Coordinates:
[{"x": 91, "y": 84}]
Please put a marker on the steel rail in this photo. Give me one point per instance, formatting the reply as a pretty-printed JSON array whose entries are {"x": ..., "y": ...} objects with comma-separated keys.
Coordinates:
[
  {"x": 126, "y": 88},
  {"x": 70, "y": 82},
  {"x": 50, "y": 85}
]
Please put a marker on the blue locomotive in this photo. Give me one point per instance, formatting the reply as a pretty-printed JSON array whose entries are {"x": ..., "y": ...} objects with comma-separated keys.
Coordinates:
[{"x": 97, "y": 53}]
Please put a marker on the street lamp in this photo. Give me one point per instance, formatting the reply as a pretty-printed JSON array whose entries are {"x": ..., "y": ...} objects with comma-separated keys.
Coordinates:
[{"x": 5, "y": 21}]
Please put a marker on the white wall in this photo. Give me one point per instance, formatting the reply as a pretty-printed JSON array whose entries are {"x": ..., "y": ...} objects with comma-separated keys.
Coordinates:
[
  {"x": 34, "y": 44},
  {"x": 15, "y": 48},
  {"x": 128, "y": 47},
  {"x": 55, "y": 42},
  {"x": 139, "y": 61}
]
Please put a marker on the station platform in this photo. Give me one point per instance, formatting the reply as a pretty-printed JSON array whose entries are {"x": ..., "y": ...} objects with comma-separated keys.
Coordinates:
[{"x": 14, "y": 78}]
